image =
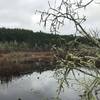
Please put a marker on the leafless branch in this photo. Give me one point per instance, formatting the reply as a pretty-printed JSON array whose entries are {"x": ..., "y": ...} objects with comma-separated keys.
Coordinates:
[{"x": 67, "y": 10}]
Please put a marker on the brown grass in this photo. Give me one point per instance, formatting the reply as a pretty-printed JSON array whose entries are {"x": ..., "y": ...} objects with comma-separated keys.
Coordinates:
[{"x": 19, "y": 57}]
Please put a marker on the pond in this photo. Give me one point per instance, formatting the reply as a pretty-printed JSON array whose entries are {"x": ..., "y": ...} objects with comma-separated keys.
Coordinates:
[{"x": 37, "y": 86}]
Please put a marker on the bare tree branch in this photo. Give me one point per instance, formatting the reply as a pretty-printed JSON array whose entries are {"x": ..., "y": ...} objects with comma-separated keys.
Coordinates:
[{"x": 67, "y": 10}]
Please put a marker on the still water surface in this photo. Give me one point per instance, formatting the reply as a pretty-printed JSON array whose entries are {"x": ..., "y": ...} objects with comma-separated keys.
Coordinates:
[{"x": 36, "y": 87}]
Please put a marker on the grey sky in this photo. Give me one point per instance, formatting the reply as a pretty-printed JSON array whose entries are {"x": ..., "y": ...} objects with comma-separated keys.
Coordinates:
[{"x": 20, "y": 14}]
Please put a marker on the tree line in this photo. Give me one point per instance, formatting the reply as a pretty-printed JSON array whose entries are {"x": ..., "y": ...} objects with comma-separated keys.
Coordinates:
[{"x": 38, "y": 40}]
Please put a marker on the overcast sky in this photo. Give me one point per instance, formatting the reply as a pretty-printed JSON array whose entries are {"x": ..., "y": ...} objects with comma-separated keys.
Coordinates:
[{"x": 21, "y": 14}]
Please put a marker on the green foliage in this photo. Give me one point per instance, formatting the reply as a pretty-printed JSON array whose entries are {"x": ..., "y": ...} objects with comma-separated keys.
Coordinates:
[
  {"x": 13, "y": 46},
  {"x": 15, "y": 38}
]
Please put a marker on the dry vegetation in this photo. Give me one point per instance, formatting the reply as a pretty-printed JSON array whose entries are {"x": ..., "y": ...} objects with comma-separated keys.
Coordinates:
[{"x": 20, "y": 57}]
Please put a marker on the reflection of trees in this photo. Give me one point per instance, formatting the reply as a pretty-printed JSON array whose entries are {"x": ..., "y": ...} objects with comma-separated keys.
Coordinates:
[{"x": 13, "y": 71}]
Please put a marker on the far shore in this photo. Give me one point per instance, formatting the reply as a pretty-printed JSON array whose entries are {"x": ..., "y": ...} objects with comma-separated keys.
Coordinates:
[
  {"x": 17, "y": 63},
  {"x": 25, "y": 56},
  {"x": 23, "y": 61}
]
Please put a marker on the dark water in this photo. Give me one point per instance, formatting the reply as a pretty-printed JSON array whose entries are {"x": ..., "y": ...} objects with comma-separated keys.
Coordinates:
[
  {"x": 38, "y": 86},
  {"x": 38, "y": 83}
]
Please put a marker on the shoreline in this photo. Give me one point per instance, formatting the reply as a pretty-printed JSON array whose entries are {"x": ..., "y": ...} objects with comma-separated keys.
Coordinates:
[
  {"x": 23, "y": 56},
  {"x": 16, "y": 64}
]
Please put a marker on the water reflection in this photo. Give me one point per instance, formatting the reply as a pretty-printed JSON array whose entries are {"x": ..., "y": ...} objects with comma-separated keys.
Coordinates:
[
  {"x": 12, "y": 71},
  {"x": 31, "y": 82},
  {"x": 35, "y": 87}
]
